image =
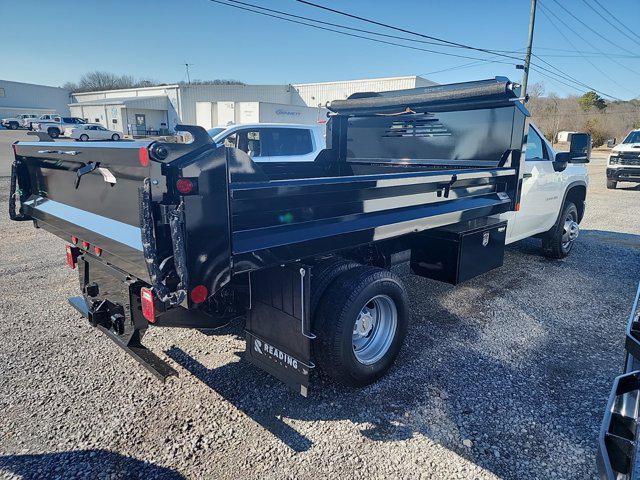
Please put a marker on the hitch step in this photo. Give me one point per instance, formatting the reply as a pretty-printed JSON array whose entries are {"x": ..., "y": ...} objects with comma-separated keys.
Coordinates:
[{"x": 145, "y": 357}]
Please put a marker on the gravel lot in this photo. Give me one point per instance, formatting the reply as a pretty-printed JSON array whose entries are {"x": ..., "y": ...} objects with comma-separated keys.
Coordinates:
[{"x": 505, "y": 376}]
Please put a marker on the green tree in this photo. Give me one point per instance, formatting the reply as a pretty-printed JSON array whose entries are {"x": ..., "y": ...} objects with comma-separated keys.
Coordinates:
[{"x": 590, "y": 100}]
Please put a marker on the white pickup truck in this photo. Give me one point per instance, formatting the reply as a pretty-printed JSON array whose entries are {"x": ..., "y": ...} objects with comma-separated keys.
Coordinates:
[
  {"x": 57, "y": 126},
  {"x": 623, "y": 164},
  {"x": 553, "y": 189},
  {"x": 22, "y": 120},
  {"x": 273, "y": 142}
]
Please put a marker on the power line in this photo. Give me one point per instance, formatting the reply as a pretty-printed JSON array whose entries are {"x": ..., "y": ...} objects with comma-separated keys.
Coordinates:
[
  {"x": 256, "y": 9},
  {"x": 559, "y": 80},
  {"x": 244, "y": 8},
  {"x": 459, "y": 67},
  {"x": 591, "y": 44},
  {"x": 346, "y": 27},
  {"x": 591, "y": 29},
  {"x": 375, "y": 22},
  {"x": 617, "y": 19},
  {"x": 583, "y": 51},
  {"x": 493, "y": 52},
  {"x": 610, "y": 23},
  {"x": 590, "y": 55},
  {"x": 543, "y": 9}
]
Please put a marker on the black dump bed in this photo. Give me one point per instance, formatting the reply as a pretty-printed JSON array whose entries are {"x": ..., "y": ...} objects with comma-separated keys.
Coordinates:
[{"x": 395, "y": 163}]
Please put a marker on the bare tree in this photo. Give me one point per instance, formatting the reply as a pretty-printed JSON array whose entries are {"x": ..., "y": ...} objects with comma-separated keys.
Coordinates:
[
  {"x": 98, "y": 80},
  {"x": 553, "y": 114}
]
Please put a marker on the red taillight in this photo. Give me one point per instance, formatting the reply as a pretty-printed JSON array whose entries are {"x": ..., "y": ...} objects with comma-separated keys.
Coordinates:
[
  {"x": 72, "y": 256},
  {"x": 143, "y": 156},
  {"x": 97, "y": 251},
  {"x": 85, "y": 245},
  {"x": 148, "y": 305},
  {"x": 199, "y": 294},
  {"x": 185, "y": 186},
  {"x": 74, "y": 240}
]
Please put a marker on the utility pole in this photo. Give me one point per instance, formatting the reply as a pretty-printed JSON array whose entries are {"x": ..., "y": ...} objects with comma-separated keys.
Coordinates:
[
  {"x": 187, "y": 65},
  {"x": 527, "y": 58}
]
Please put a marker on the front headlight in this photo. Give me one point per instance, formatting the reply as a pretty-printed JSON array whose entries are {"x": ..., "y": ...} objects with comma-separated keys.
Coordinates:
[{"x": 614, "y": 160}]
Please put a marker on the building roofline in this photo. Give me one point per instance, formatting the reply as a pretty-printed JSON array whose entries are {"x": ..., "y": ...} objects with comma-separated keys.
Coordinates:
[
  {"x": 35, "y": 85},
  {"x": 118, "y": 100},
  {"x": 375, "y": 79},
  {"x": 175, "y": 85}
]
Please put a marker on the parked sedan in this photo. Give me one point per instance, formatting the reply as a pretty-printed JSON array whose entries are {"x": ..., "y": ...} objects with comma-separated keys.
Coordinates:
[{"x": 87, "y": 132}]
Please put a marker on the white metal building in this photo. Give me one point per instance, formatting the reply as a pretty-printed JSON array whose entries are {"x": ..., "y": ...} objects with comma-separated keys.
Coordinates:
[
  {"x": 314, "y": 94},
  {"x": 156, "y": 109},
  {"x": 18, "y": 97}
]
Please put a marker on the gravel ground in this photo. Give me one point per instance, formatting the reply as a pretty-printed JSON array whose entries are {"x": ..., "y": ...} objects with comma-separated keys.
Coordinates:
[{"x": 505, "y": 376}]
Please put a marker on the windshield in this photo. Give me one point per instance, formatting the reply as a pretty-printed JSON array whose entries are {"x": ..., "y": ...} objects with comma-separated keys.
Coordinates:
[
  {"x": 215, "y": 131},
  {"x": 633, "y": 137}
]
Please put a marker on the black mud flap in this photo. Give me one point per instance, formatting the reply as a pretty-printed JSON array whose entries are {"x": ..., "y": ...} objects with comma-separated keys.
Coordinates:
[
  {"x": 618, "y": 441},
  {"x": 278, "y": 323}
]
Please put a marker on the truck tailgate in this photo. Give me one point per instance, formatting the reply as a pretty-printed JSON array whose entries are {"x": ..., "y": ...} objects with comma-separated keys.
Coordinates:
[{"x": 88, "y": 192}]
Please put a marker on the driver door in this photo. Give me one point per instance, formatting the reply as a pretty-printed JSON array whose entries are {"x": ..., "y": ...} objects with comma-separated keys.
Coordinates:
[{"x": 540, "y": 189}]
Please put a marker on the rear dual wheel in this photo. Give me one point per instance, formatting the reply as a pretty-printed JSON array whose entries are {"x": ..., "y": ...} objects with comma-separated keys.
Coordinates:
[{"x": 362, "y": 322}]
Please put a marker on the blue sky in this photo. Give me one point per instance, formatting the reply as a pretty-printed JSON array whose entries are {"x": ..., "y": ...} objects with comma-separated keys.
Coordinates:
[{"x": 56, "y": 41}]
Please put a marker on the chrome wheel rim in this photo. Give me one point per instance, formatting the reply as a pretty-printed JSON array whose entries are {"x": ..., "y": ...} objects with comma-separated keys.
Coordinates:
[
  {"x": 570, "y": 232},
  {"x": 374, "y": 329}
]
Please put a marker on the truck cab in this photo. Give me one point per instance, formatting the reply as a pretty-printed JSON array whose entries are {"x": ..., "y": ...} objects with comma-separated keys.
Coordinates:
[
  {"x": 623, "y": 164},
  {"x": 549, "y": 183}
]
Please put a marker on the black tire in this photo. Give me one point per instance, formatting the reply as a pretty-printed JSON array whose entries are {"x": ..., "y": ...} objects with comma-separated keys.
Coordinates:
[
  {"x": 84, "y": 137},
  {"x": 53, "y": 132},
  {"x": 115, "y": 137},
  {"x": 322, "y": 275},
  {"x": 13, "y": 126},
  {"x": 553, "y": 243},
  {"x": 337, "y": 313},
  {"x": 612, "y": 184}
]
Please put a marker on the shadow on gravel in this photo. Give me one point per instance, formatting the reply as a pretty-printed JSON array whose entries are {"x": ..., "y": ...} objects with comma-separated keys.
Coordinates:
[
  {"x": 83, "y": 464},
  {"x": 507, "y": 370},
  {"x": 231, "y": 381},
  {"x": 613, "y": 239}
]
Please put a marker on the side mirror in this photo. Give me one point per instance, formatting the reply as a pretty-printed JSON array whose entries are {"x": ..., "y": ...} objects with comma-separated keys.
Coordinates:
[
  {"x": 580, "y": 148},
  {"x": 561, "y": 161}
]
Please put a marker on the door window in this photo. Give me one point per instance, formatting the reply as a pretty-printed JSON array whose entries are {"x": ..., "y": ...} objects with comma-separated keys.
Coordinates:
[
  {"x": 249, "y": 141},
  {"x": 141, "y": 120},
  {"x": 231, "y": 140},
  {"x": 535, "y": 146},
  {"x": 282, "y": 142}
]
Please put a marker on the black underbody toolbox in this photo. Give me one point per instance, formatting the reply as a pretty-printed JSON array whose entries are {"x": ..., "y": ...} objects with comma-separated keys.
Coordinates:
[
  {"x": 459, "y": 252},
  {"x": 619, "y": 438}
]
